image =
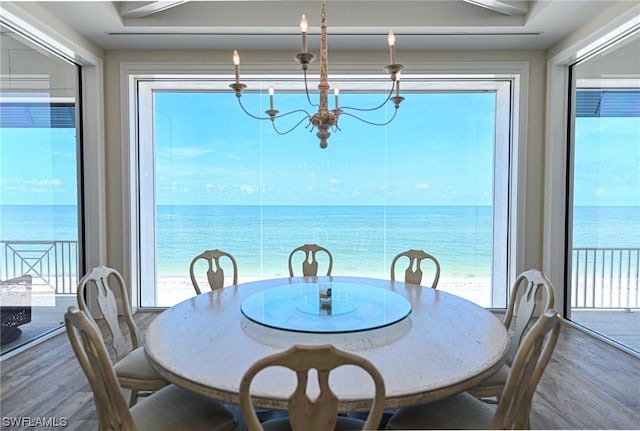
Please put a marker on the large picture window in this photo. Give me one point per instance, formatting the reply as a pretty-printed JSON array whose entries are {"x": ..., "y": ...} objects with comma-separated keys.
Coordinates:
[{"x": 434, "y": 179}]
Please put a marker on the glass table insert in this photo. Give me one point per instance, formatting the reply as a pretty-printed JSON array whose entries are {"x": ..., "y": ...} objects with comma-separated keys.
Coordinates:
[{"x": 351, "y": 307}]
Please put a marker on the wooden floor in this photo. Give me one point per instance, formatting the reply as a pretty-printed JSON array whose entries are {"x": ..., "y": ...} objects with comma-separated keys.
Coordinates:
[{"x": 587, "y": 385}]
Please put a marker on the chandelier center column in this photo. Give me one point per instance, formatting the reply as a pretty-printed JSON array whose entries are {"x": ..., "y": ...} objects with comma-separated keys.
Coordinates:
[{"x": 323, "y": 85}]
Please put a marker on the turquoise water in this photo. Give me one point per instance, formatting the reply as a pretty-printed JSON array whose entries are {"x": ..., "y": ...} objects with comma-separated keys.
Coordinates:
[{"x": 362, "y": 239}]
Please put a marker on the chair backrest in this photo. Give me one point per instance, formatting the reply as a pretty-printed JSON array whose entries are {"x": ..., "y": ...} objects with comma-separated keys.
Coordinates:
[
  {"x": 106, "y": 285},
  {"x": 530, "y": 362},
  {"x": 215, "y": 273},
  {"x": 310, "y": 263},
  {"x": 413, "y": 273},
  {"x": 530, "y": 292},
  {"x": 88, "y": 345},
  {"x": 304, "y": 414}
]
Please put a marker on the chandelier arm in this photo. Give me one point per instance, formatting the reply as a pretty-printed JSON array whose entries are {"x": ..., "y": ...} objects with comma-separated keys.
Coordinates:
[
  {"x": 250, "y": 114},
  {"x": 374, "y": 108},
  {"x": 371, "y": 122},
  {"x": 306, "y": 90},
  {"x": 291, "y": 129},
  {"x": 307, "y": 115}
]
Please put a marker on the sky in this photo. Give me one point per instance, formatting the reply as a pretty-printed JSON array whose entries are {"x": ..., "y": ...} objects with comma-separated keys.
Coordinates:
[
  {"x": 38, "y": 166},
  {"x": 415, "y": 160},
  {"x": 607, "y": 161},
  {"x": 438, "y": 151}
]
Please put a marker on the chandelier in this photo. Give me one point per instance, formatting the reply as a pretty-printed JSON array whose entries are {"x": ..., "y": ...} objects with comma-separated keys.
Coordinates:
[{"x": 324, "y": 120}]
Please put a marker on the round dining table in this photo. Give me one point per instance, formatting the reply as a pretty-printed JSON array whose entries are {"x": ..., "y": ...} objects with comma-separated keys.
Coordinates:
[{"x": 427, "y": 344}]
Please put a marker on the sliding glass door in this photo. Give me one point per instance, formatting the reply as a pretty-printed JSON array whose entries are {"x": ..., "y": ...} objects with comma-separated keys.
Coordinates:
[
  {"x": 604, "y": 251},
  {"x": 39, "y": 166}
]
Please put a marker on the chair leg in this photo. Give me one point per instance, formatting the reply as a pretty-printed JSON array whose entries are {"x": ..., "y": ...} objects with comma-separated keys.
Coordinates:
[{"x": 133, "y": 399}]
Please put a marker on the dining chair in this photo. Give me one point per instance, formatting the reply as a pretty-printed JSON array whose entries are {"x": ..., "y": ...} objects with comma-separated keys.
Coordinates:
[
  {"x": 530, "y": 292},
  {"x": 310, "y": 263},
  {"x": 171, "y": 408},
  {"x": 464, "y": 411},
  {"x": 107, "y": 286},
  {"x": 215, "y": 275},
  {"x": 305, "y": 414},
  {"x": 413, "y": 273}
]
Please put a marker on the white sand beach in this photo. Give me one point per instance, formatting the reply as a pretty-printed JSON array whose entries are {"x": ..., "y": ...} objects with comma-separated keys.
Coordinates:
[{"x": 172, "y": 290}]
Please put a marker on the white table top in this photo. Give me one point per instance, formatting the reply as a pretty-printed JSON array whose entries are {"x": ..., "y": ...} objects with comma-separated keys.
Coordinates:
[{"x": 446, "y": 345}]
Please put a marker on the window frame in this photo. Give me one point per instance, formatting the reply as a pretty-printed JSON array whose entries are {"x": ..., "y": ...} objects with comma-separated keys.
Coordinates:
[{"x": 515, "y": 74}]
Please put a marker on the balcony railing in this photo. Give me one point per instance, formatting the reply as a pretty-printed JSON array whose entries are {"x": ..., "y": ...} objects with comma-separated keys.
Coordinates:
[
  {"x": 50, "y": 263},
  {"x": 605, "y": 278},
  {"x": 601, "y": 277}
]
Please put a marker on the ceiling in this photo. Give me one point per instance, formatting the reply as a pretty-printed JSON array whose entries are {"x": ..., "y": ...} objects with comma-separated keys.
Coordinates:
[{"x": 352, "y": 24}]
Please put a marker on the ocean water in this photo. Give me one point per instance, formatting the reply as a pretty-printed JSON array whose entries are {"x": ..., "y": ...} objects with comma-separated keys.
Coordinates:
[{"x": 362, "y": 239}]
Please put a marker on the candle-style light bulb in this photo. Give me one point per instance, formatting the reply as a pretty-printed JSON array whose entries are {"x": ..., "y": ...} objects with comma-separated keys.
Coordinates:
[
  {"x": 271, "y": 91},
  {"x": 336, "y": 92},
  {"x": 304, "y": 26},
  {"x": 236, "y": 64},
  {"x": 391, "y": 39}
]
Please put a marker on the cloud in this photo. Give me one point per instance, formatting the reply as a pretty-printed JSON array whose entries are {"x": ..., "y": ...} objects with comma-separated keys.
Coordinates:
[
  {"x": 422, "y": 186},
  {"x": 65, "y": 155},
  {"x": 187, "y": 152},
  {"x": 238, "y": 157},
  {"x": 334, "y": 181},
  {"x": 249, "y": 189},
  {"x": 31, "y": 184},
  {"x": 171, "y": 188},
  {"x": 212, "y": 187},
  {"x": 174, "y": 188}
]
